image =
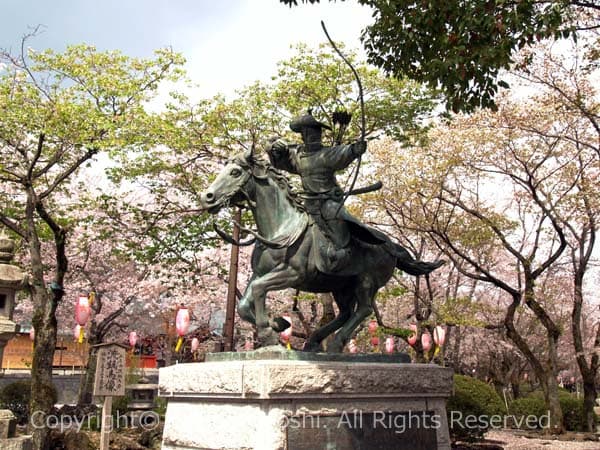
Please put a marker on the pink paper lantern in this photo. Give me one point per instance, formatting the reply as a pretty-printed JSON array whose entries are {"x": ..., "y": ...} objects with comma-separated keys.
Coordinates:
[
  {"x": 375, "y": 341},
  {"x": 249, "y": 345},
  {"x": 182, "y": 321},
  {"x": 373, "y": 326},
  {"x": 287, "y": 333},
  {"x": 133, "y": 338},
  {"x": 389, "y": 345},
  {"x": 182, "y": 324},
  {"x": 32, "y": 334},
  {"x": 195, "y": 344},
  {"x": 525, "y": 376},
  {"x": 412, "y": 339},
  {"x": 82, "y": 310},
  {"x": 439, "y": 336},
  {"x": 426, "y": 342},
  {"x": 352, "y": 347}
]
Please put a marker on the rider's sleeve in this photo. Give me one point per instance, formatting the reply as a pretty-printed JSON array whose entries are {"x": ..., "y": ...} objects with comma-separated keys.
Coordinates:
[{"x": 340, "y": 156}]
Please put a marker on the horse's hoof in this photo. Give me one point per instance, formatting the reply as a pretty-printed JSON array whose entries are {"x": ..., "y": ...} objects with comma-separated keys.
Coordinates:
[
  {"x": 335, "y": 347},
  {"x": 280, "y": 324},
  {"x": 314, "y": 347},
  {"x": 268, "y": 337}
]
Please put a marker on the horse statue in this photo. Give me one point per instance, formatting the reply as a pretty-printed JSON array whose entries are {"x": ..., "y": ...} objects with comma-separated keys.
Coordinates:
[{"x": 288, "y": 254}]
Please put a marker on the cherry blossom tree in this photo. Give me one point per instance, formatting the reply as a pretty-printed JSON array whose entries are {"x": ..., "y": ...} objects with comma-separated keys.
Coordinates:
[
  {"x": 59, "y": 111},
  {"x": 543, "y": 153}
]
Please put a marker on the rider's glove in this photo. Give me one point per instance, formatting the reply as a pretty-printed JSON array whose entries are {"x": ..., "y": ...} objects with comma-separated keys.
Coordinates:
[
  {"x": 278, "y": 146},
  {"x": 358, "y": 148}
]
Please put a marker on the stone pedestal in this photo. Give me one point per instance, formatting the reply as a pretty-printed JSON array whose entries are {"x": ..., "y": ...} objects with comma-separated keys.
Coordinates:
[
  {"x": 8, "y": 441},
  {"x": 11, "y": 280},
  {"x": 294, "y": 404}
]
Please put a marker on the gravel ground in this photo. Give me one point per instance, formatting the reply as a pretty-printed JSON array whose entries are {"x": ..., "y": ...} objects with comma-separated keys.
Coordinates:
[{"x": 512, "y": 441}]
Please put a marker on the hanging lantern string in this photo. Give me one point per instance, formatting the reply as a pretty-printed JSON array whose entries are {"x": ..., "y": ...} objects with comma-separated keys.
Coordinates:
[{"x": 179, "y": 343}]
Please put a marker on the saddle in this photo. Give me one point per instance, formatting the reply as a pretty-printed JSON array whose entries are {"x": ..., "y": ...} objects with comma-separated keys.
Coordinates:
[{"x": 360, "y": 235}]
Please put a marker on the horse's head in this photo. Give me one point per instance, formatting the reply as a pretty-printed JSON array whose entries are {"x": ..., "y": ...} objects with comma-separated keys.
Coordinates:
[{"x": 228, "y": 187}]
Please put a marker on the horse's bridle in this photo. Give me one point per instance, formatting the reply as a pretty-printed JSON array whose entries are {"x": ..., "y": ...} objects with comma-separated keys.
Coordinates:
[{"x": 249, "y": 170}]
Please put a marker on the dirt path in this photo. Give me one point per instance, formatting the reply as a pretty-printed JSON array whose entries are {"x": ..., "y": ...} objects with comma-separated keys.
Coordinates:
[{"x": 513, "y": 441}]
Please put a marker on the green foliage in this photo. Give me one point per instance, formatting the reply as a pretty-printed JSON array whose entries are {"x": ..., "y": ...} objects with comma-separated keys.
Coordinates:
[
  {"x": 572, "y": 408},
  {"x": 119, "y": 405},
  {"x": 15, "y": 396},
  {"x": 400, "y": 332},
  {"x": 475, "y": 398},
  {"x": 60, "y": 110},
  {"x": 534, "y": 405},
  {"x": 461, "y": 311},
  {"x": 319, "y": 78},
  {"x": 458, "y": 46},
  {"x": 93, "y": 423}
]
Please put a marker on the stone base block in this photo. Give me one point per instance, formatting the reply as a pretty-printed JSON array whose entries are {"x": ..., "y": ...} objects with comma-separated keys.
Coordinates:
[
  {"x": 8, "y": 424},
  {"x": 298, "y": 405},
  {"x": 17, "y": 443}
]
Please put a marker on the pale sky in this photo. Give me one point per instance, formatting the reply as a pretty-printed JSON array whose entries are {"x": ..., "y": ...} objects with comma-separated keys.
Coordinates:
[{"x": 228, "y": 43}]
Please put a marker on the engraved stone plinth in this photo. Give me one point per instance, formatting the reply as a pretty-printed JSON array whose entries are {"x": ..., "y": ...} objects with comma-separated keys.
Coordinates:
[{"x": 296, "y": 404}]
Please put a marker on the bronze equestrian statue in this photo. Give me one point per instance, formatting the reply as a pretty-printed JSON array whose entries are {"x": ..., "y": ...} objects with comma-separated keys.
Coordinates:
[{"x": 313, "y": 245}]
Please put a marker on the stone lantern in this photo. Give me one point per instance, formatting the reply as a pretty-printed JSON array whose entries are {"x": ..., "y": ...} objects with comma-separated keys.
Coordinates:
[
  {"x": 12, "y": 279},
  {"x": 142, "y": 397}
]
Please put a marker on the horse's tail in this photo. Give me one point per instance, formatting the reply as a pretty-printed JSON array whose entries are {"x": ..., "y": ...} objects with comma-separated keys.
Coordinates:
[{"x": 408, "y": 264}]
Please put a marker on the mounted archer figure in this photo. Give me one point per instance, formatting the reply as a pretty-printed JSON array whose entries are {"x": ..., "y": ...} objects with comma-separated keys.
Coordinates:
[{"x": 322, "y": 195}]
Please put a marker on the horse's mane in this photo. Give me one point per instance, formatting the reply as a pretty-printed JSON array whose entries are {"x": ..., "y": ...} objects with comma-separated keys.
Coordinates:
[{"x": 274, "y": 174}]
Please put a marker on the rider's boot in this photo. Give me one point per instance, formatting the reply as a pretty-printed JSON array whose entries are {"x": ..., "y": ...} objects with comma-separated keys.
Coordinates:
[{"x": 338, "y": 257}]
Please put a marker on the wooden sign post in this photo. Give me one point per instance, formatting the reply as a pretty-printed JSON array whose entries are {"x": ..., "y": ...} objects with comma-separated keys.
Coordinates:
[{"x": 108, "y": 382}]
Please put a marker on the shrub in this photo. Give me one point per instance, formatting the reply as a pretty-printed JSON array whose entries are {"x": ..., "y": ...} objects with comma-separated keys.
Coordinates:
[
  {"x": 532, "y": 405},
  {"x": 15, "y": 396},
  {"x": 572, "y": 408},
  {"x": 535, "y": 405},
  {"x": 472, "y": 398}
]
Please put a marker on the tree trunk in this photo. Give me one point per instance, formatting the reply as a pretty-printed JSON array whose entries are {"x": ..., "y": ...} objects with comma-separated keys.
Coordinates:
[
  {"x": 45, "y": 301},
  {"x": 456, "y": 349},
  {"x": 86, "y": 388},
  {"x": 590, "y": 394},
  {"x": 42, "y": 397},
  {"x": 588, "y": 372},
  {"x": 550, "y": 388},
  {"x": 546, "y": 374},
  {"x": 557, "y": 425}
]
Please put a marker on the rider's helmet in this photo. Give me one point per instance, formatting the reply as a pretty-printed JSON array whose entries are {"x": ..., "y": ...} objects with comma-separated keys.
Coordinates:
[{"x": 311, "y": 130}]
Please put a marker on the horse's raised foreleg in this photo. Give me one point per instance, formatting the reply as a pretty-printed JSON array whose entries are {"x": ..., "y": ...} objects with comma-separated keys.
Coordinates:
[
  {"x": 256, "y": 294},
  {"x": 345, "y": 302},
  {"x": 364, "y": 296}
]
